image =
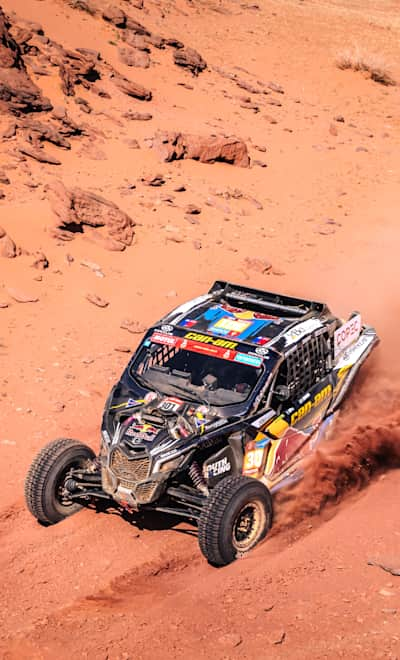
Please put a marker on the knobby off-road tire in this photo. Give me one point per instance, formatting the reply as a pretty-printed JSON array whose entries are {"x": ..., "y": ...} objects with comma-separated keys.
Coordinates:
[
  {"x": 46, "y": 475},
  {"x": 236, "y": 516}
]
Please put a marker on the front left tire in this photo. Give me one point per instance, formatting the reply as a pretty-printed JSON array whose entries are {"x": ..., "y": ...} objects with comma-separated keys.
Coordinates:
[{"x": 44, "y": 483}]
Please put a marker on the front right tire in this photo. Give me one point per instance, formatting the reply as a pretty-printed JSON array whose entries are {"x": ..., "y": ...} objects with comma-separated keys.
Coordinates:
[
  {"x": 45, "y": 480},
  {"x": 236, "y": 516}
]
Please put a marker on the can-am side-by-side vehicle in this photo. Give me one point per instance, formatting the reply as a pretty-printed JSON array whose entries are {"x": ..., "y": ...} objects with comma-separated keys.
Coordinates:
[{"x": 215, "y": 412}]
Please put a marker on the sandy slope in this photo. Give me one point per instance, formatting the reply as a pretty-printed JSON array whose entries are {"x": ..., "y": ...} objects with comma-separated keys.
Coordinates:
[{"x": 95, "y": 586}]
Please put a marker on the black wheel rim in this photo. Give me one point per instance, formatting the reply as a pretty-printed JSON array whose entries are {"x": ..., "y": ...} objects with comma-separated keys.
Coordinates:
[{"x": 248, "y": 526}]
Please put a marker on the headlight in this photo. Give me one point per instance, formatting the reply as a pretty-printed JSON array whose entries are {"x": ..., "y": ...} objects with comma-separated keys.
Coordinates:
[{"x": 169, "y": 465}]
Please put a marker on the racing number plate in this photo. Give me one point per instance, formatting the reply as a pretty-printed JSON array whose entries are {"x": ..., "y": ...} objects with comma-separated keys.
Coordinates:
[{"x": 253, "y": 461}]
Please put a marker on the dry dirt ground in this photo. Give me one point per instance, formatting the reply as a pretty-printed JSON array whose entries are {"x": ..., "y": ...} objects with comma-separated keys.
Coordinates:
[{"x": 315, "y": 214}]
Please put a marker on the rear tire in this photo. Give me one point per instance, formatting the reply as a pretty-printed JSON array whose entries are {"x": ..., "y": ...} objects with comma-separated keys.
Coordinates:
[
  {"x": 46, "y": 476},
  {"x": 236, "y": 516}
]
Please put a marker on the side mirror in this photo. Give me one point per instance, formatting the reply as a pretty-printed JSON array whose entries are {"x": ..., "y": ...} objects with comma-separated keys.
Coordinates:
[{"x": 282, "y": 392}]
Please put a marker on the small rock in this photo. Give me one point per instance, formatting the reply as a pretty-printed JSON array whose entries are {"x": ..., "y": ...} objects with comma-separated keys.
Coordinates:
[
  {"x": 92, "y": 266},
  {"x": 58, "y": 407},
  {"x": 197, "y": 245},
  {"x": 157, "y": 180},
  {"x": 333, "y": 130},
  {"x": 259, "y": 163},
  {"x": 258, "y": 264},
  {"x": 122, "y": 349},
  {"x": 339, "y": 118},
  {"x": 132, "y": 144},
  {"x": 3, "y": 304},
  {"x": 4, "y": 178},
  {"x": 96, "y": 300},
  {"x": 133, "y": 326},
  {"x": 276, "y": 88},
  {"x": 230, "y": 639},
  {"x": 277, "y": 637},
  {"x": 386, "y": 592},
  {"x": 171, "y": 294},
  {"x": 361, "y": 149},
  {"x": 137, "y": 116},
  {"x": 40, "y": 261},
  {"x": 192, "y": 209},
  {"x": 21, "y": 296}
]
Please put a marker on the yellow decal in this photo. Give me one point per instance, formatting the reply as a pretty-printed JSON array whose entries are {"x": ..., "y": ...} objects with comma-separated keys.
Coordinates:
[
  {"x": 308, "y": 405},
  {"x": 277, "y": 427},
  {"x": 205, "y": 339}
]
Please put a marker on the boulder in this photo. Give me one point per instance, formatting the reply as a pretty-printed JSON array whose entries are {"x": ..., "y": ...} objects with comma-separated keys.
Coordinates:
[
  {"x": 134, "y": 57},
  {"x": 80, "y": 211},
  {"x": 115, "y": 16},
  {"x": 7, "y": 245},
  {"x": 175, "y": 146},
  {"x": 190, "y": 59},
  {"x": 131, "y": 88}
]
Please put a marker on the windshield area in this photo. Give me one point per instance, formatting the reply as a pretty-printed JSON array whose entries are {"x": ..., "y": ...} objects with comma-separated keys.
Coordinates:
[{"x": 216, "y": 381}]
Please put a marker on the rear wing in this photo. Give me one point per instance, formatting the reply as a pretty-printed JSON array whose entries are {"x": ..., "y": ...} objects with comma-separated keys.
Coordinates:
[{"x": 262, "y": 301}]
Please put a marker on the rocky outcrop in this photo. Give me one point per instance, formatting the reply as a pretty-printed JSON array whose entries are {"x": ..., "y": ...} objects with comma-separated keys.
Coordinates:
[
  {"x": 190, "y": 59},
  {"x": 80, "y": 211},
  {"x": 18, "y": 93},
  {"x": 175, "y": 146},
  {"x": 77, "y": 68}
]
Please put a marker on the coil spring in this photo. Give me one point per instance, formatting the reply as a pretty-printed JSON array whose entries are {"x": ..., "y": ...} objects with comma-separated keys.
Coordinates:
[{"x": 197, "y": 478}]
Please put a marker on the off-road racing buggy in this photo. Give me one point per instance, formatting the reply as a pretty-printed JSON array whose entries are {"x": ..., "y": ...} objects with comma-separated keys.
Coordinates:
[{"x": 214, "y": 413}]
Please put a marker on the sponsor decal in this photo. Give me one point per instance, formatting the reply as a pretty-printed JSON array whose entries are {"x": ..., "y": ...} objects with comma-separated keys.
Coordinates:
[
  {"x": 260, "y": 350},
  {"x": 167, "y": 328},
  {"x": 188, "y": 323},
  {"x": 301, "y": 330},
  {"x": 206, "y": 339},
  {"x": 162, "y": 338},
  {"x": 251, "y": 360},
  {"x": 303, "y": 410},
  {"x": 258, "y": 423},
  {"x": 199, "y": 343},
  {"x": 347, "y": 334},
  {"x": 353, "y": 353},
  {"x": 128, "y": 404},
  {"x": 217, "y": 468},
  {"x": 231, "y": 326},
  {"x": 261, "y": 340}
]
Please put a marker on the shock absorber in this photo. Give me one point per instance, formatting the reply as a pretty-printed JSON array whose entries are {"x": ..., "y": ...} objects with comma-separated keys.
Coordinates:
[{"x": 197, "y": 478}]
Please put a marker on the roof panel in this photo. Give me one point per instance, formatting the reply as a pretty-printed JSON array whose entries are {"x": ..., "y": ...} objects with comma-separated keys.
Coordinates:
[{"x": 242, "y": 325}]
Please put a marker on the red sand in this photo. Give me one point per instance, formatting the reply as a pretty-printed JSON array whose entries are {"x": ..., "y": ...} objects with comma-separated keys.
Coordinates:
[{"x": 96, "y": 586}]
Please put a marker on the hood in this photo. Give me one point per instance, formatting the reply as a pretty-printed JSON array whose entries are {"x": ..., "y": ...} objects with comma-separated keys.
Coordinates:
[{"x": 154, "y": 419}]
